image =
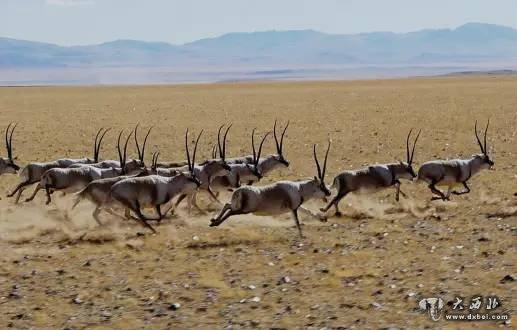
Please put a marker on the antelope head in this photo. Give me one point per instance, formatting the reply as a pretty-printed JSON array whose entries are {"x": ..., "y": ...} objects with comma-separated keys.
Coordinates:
[
  {"x": 280, "y": 146},
  {"x": 406, "y": 170},
  {"x": 7, "y": 165},
  {"x": 192, "y": 162},
  {"x": 483, "y": 157},
  {"x": 254, "y": 168},
  {"x": 321, "y": 190},
  {"x": 98, "y": 142}
]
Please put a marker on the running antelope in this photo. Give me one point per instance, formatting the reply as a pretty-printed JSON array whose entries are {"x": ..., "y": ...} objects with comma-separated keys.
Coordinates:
[
  {"x": 277, "y": 198},
  {"x": 455, "y": 171},
  {"x": 238, "y": 171},
  {"x": 374, "y": 177},
  {"x": 154, "y": 190},
  {"x": 206, "y": 172},
  {"x": 73, "y": 179},
  {"x": 98, "y": 191},
  {"x": 268, "y": 163},
  {"x": 33, "y": 172},
  {"x": 7, "y": 165}
]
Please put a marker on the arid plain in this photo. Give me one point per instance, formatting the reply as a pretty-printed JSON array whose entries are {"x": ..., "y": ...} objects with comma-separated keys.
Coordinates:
[{"x": 365, "y": 270}]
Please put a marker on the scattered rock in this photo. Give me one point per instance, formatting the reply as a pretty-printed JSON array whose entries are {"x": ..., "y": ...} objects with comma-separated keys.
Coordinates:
[
  {"x": 77, "y": 301},
  {"x": 508, "y": 278},
  {"x": 255, "y": 299},
  {"x": 284, "y": 280},
  {"x": 174, "y": 306},
  {"x": 376, "y": 305}
]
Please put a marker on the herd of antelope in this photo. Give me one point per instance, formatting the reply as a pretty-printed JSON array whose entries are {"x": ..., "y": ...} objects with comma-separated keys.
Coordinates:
[{"x": 130, "y": 185}]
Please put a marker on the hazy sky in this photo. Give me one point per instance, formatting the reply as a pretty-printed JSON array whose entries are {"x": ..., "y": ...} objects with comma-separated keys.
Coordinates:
[{"x": 69, "y": 22}]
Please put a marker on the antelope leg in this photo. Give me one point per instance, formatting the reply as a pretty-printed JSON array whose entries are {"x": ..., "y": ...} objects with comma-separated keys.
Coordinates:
[
  {"x": 465, "y": 191},
  {"x": 297, "y": 221},
  {"x": 38, "y": 188},
  {"x": 335, "y": 202},
  {"x": 435, "y": 191}
]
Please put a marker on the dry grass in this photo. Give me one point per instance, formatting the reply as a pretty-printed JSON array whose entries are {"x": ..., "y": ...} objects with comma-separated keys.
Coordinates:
[{"x": 123, "y": 280}]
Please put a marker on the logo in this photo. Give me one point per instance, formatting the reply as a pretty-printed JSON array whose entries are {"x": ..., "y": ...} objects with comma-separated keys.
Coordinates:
[{"x": 433, "y": 306}]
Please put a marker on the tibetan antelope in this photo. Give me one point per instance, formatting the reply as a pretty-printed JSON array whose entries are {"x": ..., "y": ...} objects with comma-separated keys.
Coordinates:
[
  {"x": 154, "y": 190},
  {"x": 455, "y": 171},
  {"x": 238, "y": 171},
  {"x": 206, "y": 172},
  {"x": 277, "y": 198},
  {"x": 268, "y": 163},
  {"x": 7, "y": 165},
  {"x": 374, "y": 177},
  {"x": 98, "y": 191},
  {"x": 32, "y": 172},
  {"x": 73, "y": 179}
]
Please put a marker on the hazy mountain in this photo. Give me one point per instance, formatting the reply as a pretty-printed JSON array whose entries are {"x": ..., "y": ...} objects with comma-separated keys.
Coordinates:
[{"x": 274, "y": 50}]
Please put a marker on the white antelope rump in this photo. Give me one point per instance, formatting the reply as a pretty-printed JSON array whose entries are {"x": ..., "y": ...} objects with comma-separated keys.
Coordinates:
[
  {"x": 268, "y": 163},
  {"x": 277, "y": 198},
  {"x": 455, "y": 171},
  {"x": 7, "y": 164},
  {"x": 374, "y": 177},
  {"x": 155, "y": 190},
  {"x": 32, "y": 172},
  {"x": 98, "y": 191}
]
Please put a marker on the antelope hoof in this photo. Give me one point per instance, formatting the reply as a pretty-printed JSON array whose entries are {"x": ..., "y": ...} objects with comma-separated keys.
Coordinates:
[
  {"x": 338, "y": 214},
  {"x": 323, "y": 218}
]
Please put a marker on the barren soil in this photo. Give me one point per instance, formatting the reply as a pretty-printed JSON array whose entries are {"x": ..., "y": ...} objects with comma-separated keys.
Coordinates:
[{"x": 365, "y": 270}]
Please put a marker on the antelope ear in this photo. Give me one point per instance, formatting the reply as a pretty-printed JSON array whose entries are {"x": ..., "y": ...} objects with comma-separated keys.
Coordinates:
[{"x": 315, "y": 178}]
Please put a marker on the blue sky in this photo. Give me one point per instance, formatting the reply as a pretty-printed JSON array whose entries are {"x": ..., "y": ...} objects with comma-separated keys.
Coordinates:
[{"x": 72, "y": 22}]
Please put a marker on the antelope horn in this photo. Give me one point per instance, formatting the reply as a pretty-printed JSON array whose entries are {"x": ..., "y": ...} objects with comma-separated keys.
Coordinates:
[
  {"x": 325, "y": 163},
  {"x": 95, "y": 143},
  {"x": 219, "y": 141},
  {"x": 224, "y": 141},
  {"x": 9, "y": 142},
  {"x": 118, "y": 148},
  {"x": 253, "y": 145},
  {"x": 316, "y": 160},
  {"x": 282, "y": 138},
  {"x": 145, "y": 142},
  {"x": 477, "y": 137},
  {"x": 100, "y": 143},
  {"x": 260, "y": 148},
  {"x": 278, "y": 150},
  {"x": 195, "y": 151},
  {"x": 136, "y": 141},
  {"x": 125, "y": 154},
  {"x": 408, "y": 156},
  {"x": 414, "y": 144},
  {"x": 187, "y": 151},
  {"x": 484, "y": 147}
]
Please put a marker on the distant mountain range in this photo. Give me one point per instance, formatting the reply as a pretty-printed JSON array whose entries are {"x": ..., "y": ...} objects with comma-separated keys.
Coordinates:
[{"x": 273, "y": 53}]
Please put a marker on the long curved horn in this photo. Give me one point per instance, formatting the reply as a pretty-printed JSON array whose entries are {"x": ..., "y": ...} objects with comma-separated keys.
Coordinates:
[
  {"x": 413, "y": 150},
  {"x": 277, "y": 144},
  {"x": 408, "y": 156},
  {"x": 145, "y": 142},
  {"x": 9, "y": 141},
  {"x": 136, "y": 141},
  {"x": 98, "y": 148},
  {"x": 316, "y": 160},
  {"x": 260, "y": 148},
  {"x": 224, "y": 141},
  {"x": 118, "y": 148},
  {"x": 195, "y": 151},
  {"x": 219, "y": 141},
  {"x": 253, "y": 145},
  {"x": 187, "y": 151},
  {"x": 282, "y": 138},
  {"x": 325, "y": 163},
  {"x": 484, "y": 146},
  {"x": 477, "y": 137},
  {"x": 214, "y": 152},
  {"x": 124, "y": 157},
  {"x": 95, "y": 143}
]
